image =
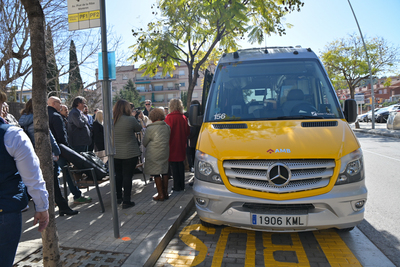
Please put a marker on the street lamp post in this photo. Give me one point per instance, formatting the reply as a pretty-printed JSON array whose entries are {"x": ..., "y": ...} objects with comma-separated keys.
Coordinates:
[{"x": 369, "y": 66}]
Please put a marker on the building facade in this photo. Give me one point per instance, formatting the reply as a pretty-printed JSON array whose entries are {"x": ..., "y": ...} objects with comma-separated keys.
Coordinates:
[
  {"x": 159, "y": 89},
  {"x": 382, "y": 93}
]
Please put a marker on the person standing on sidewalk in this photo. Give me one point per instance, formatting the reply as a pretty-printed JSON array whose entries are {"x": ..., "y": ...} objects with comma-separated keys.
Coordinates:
[
  {"x": 78, "y": 126},
  {"x": 156, "y": 141},
  {"x": 19, "y": 167},
  {"x": 64, "y": 113},
  {"x": 59, "y": 132},
  {"x": 148, "y": 107},
  {"x": 127, "y": 151},
  {"x": 177, "y": 143}
]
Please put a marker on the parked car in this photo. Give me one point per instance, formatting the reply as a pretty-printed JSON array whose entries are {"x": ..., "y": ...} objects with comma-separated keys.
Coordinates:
[
  {"x": 393, "y": 122},
  {"x": 382, "y": 115},
  {"x": 362, "y": 117},
  {"x": 369, "y": 115}
]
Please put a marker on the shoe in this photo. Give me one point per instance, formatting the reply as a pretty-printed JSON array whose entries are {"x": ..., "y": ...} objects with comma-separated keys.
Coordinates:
[
  {"x": 25, "y": 209},
  {"x": 119, "y": 201},
  {"x": 67, "y": 212},
  {"x": 127, "y": 205},
  {"x": 82, "y": 200}
]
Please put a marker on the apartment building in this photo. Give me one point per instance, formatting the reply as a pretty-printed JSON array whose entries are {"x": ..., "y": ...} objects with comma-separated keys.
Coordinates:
[
  {"x": 159, "y": 89},
  {"x": 381, "y": 93}
]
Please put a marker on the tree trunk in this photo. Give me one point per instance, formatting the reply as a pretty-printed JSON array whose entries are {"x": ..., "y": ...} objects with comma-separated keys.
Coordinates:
[{"x": 51, "y": 254}]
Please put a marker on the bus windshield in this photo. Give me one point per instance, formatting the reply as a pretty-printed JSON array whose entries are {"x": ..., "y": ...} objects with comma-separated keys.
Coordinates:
[{"x": 272, "y": 90}]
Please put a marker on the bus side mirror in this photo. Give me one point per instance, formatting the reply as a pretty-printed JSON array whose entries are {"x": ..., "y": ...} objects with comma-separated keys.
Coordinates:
[
  {"x": 194, "y": 118},
  {"x": 350, "y": 110}
]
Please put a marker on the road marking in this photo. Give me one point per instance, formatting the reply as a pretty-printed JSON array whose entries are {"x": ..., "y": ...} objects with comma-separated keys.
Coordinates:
[
  {"x": 279, "y": 249},
  {"x": 380, "y": 155},
  {"x": 194, "y": 243},
  {"x": 296, "y": 246},
  {"x": 335, "y": 250},
  {"x": 250, "y": 258}
]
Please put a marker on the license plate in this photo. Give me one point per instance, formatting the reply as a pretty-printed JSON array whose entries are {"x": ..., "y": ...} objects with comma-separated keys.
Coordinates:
[{"x": 279, "y": 220}]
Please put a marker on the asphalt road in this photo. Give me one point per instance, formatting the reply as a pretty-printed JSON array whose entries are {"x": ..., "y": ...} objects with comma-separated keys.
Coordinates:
[{"x": 382, "y": 216}]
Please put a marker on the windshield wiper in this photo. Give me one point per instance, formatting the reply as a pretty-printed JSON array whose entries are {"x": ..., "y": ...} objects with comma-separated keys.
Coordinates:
[{"x": 298, "y": 117}]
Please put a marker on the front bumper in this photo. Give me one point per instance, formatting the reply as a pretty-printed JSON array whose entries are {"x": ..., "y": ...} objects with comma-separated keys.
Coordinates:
[{"x": 217, "y": 205}]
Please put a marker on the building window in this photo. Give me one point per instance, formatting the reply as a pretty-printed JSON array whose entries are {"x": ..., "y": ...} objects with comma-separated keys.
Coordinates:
[
  {"x": 170, "y": 96},
  {"x": 181, "y": 84},
  {"x": 158, "y": 75},
  {"x": 159, "y": 98},
  {"x": 141, "y": 88},
  {"x": 380, "y": 92},
  {"x": 139, "y": 77},
  {"x": 158, "y": 87},
  {"x": 195, "y": 95},
  {"x": 385, "y": 91},
  {"x": 114, "y": 88},
  {"x": 181, "y": 73},
  {"x": 124, "y": 77}
]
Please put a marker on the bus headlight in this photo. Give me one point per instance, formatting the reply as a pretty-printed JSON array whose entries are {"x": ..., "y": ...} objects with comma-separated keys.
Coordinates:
[
  {"x": 207, "y": 168},
  {"x": 351, "y": 168}
]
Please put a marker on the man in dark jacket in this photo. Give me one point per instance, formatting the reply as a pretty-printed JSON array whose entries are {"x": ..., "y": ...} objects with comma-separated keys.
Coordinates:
[
  {"x": 148, "y": 108},
  {"x": 78, "y": 126},
  {"x": 59, "y": 132}
]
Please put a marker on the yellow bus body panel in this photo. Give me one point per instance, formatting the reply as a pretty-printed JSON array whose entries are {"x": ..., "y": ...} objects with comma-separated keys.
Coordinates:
[{"x": 277, "y": 140}]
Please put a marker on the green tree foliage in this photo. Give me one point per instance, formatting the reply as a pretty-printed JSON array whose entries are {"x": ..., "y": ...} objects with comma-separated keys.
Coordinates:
[
  {"x": 129, "y": 94},
  {"x": 75, "y": 83},
  {"x": 188, "y": 32},
  {"x": 388, "y": 82},
  {"x": 346, "y": 63},
  {"x": 51, "y": 70},
  {"x": 184, "y": 95}
]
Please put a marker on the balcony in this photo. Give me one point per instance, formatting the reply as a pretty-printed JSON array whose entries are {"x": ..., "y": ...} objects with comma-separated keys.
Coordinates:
[
  {"x": 158, "y": 89},
  {"x": 155, "y": 78}
]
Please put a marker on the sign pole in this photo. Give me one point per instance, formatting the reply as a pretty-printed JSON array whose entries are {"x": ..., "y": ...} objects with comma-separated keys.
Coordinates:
[
  {"x": 108, "y": 126},
  {"x": 369, "y": 66}
]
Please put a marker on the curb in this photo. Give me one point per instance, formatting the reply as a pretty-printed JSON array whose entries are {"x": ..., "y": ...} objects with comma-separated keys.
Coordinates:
[
  {"x": 151, "y": 248},
  {"x": 388, "y": 133}
]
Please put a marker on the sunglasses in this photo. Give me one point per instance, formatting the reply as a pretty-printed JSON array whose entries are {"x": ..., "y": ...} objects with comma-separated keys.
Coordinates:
[{"x": 147, "y": 104}]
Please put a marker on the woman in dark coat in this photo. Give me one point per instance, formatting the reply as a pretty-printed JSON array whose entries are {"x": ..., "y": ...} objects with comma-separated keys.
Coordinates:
[
  {"x": 98, "y": 131},
  {"x": 177, "y": 143}
]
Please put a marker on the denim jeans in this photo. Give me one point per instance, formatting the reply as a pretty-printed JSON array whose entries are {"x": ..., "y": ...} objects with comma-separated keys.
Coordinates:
[
  {"x": 10, "y": 233},
  {"x": 72, "y": 187}
]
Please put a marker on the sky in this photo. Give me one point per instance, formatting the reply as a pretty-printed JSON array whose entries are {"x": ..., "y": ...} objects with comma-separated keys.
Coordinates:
[{"x": 317, "y": 24}]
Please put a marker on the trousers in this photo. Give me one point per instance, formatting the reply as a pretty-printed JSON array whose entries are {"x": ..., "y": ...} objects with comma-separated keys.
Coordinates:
[
  {"x": 124, "y": 170},
  {"x": 10, "y": 233}
]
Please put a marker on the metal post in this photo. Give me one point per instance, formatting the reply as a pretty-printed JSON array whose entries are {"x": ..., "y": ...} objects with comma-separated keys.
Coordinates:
[
  {"x": 369, "y": 66},
  {"x": 108, "y": 137}
]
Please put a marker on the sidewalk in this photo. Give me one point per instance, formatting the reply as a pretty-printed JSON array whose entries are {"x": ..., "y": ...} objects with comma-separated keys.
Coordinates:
[
  {"x": 380, "y": 129},
  {"x": 87, "y": 239}
]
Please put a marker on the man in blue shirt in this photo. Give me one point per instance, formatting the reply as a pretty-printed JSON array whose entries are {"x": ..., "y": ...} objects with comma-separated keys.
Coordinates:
[{"x": 20, "y": 168}]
